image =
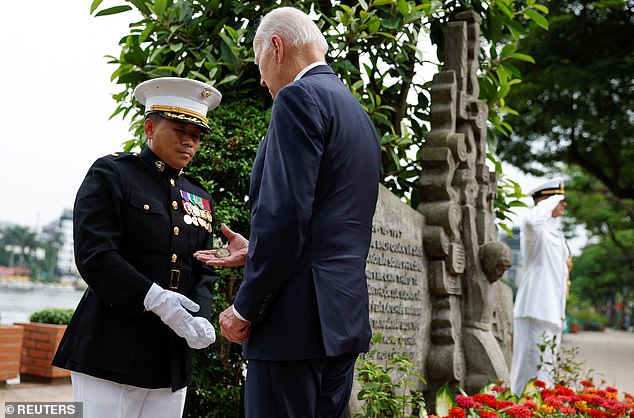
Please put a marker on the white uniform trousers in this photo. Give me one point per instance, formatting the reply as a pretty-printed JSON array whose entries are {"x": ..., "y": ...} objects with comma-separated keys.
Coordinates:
[
  {"x": 105, "y": 399},
  {"x": 527, "y": 333}
]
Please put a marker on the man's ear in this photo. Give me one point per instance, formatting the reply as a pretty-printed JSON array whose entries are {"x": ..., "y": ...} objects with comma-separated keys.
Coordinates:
[
  {"x": 278, "y": 45},
  {"x": 148, "y": 127}
]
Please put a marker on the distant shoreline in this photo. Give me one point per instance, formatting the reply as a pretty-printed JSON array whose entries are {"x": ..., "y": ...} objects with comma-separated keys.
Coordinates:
[{"x": 30, "y": 285}]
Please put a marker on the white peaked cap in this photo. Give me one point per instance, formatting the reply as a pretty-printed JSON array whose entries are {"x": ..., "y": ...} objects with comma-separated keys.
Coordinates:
[
  {"x": 549, "y": 188},
  {"x": 180, "y": 99}
]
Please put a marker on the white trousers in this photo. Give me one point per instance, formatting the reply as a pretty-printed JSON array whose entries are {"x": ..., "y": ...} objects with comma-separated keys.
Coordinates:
[
  {"x": 105, "y": 399},
  {"x": 527, "y": 333}
]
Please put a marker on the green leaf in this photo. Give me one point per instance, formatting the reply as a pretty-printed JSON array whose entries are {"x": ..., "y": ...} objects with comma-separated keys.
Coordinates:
[
  {"x": 159, "y": 7},
  {"x": 523, "y": 57},
  {"x": 113, "y": 10},
  {"x": 374, "y": 25},
  {"x": 516, "y": 29},
  {"x": 176, "y": 47},
  {"x": 169, "y": 68},
  {"x": 504, "y": 9},
  {"x": 140, "y": 4},
  {"x": 414, "y": 17},
  {"x": 530, "y": 390},
  {"x": 508, "y": 50},
  {"x": 444, "y": 401},
  {"x": 180, "y": 68},
  {"x": 145, "y": 33},
  {"x": 228, "y": 79},
  {"x": 537, "y": 18},
  {"x": 379, "y": 3},
  {"x": 94, "y": 5},
  {"x": 199, "y": 75}
]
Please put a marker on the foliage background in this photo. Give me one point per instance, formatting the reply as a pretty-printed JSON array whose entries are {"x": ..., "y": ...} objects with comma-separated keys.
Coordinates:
[
  {"x": 374, "y": 49},
  {"x": 575, "y": 119}
]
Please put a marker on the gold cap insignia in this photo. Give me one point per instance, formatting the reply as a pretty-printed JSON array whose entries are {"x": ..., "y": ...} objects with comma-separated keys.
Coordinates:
[{"x": 206, "y": 93}]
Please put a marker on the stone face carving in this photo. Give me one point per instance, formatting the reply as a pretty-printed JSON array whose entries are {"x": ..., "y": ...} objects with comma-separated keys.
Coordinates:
[{"x": 495, "y": 258}]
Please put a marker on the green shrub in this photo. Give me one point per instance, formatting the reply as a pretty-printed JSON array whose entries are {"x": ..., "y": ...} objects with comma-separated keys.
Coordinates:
[
  {"x": 57, "y": 316},
  {"x": 223, "y": 163},
  {"x": 387, "y": 387}
]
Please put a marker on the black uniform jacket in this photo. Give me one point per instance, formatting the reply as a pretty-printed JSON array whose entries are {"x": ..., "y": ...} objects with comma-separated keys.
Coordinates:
[{"x": 132, "y": 228}]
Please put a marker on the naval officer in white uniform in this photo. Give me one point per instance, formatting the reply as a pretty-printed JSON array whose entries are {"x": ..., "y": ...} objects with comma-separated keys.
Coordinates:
[{"x": 539, "y": 311}]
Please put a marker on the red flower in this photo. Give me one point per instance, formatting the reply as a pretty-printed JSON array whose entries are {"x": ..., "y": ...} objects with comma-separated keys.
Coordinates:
[
  {"x": 519, "y": 411},
  {"x": 499, "y": 389},
  {"x": 456, "y": 412},
  {"x": 530, "y": 405},
  {"x": 587, "y": 383},
  {"x": 595, "y": 413},
  {"x": 465, "y": 401},
  {"x": 485, "y": 399},
  {"x": 554, "y": 402},
  {"x": 567, "y": 410},
  {"x": 563, "y": 391},
  {"x": 505, "y": 403},
  {"x": 488, "y": 414},
  {"x": 539, "y": 383}
]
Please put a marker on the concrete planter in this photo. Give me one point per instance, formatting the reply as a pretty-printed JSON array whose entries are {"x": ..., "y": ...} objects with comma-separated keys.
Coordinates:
[
  {"x": 574, "y": 327},
  {"x": 38, "y": 348},
  {"x": 10, "y": 351}
]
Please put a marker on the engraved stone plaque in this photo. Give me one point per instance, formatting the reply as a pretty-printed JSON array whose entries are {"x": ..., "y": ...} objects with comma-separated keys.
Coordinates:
[{"x": 396, "y": 273}]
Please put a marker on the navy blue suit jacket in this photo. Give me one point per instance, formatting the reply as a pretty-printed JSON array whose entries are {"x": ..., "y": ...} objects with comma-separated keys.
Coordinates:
[{"x": 313, "y": 191}]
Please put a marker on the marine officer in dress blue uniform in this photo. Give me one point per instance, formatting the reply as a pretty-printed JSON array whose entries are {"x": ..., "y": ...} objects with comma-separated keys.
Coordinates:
[{"x": 137, "y": 220}]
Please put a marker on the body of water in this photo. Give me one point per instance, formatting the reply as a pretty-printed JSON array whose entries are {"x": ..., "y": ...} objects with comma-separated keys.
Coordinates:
[{"x": 17, "y": 304}]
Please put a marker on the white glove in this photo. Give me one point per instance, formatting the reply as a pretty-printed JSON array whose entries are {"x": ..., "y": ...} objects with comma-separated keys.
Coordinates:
[
  {"x": 170, "y": 307},
  {"x": 208, "y": 335}
]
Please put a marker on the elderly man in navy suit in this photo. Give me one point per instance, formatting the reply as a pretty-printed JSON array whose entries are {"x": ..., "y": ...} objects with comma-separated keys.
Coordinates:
[{"x": 302, "y": 309}]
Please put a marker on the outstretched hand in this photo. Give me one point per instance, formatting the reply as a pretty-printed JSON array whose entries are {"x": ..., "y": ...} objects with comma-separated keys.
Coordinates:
[{"x": 238, "y": 246}]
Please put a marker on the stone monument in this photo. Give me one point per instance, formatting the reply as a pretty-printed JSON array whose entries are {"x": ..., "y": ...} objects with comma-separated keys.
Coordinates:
[{"x": 432, "y": 272}]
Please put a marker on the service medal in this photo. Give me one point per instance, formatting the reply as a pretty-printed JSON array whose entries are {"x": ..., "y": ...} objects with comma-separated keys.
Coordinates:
[
  {"x": 187, "y": 219},
  {"x": 223, "y": 252},
  {"x": 188, "y": 207}
]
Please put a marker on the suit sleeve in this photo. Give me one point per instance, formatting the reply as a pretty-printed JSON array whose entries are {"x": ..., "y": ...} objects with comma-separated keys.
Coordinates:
[
  {"x": 280, "y": 219},
  {"x": 97, "y": 230}
]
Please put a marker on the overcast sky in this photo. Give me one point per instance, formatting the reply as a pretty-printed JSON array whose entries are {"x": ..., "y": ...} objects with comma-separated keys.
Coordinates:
[{"x": 55, "y": 104}]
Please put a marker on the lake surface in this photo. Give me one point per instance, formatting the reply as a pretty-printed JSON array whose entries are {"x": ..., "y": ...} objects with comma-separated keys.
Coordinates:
[{"x": 17, "y": 304}]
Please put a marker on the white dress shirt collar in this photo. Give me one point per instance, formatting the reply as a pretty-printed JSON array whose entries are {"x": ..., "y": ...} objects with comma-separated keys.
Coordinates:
[{"x": 305, "y": 70}]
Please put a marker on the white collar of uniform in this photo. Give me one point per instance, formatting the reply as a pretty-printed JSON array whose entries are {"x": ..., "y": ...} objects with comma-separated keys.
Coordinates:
[{"x": 305, "y": 70}]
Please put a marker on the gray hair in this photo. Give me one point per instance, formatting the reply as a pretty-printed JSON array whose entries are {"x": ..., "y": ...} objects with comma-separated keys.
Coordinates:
[{"x": 292, "y": 25}]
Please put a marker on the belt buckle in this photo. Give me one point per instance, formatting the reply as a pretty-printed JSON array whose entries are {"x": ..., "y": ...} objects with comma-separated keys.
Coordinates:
[{"x": 175, "y": 276}]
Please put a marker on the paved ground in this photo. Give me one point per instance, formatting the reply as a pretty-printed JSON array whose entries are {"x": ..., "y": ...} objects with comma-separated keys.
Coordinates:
[
  {"x": 60, "y": 391},
  {"x": 608, "y": 355}
]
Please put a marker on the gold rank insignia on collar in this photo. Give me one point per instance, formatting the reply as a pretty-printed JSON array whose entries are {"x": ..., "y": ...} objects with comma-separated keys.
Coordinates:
[{"x": 160, "y": 165}]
